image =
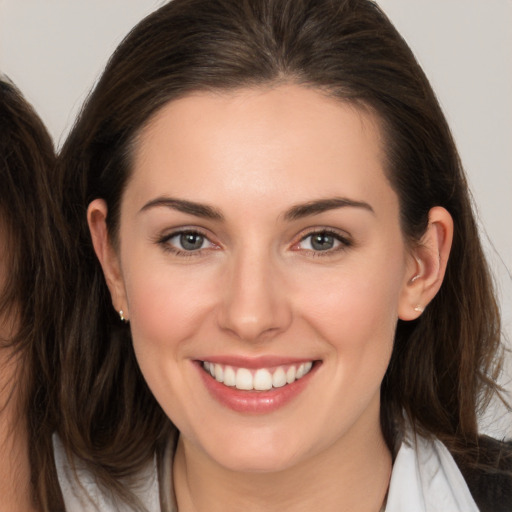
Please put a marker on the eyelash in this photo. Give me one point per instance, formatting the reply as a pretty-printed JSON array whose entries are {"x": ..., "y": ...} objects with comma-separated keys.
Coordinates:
[
  {"x": 344, "y": 242},
  {"x": 164, "y": 242}
]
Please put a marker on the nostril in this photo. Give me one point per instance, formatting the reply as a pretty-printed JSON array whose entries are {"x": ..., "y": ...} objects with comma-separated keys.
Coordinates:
[{"x": 254, "y": 306}]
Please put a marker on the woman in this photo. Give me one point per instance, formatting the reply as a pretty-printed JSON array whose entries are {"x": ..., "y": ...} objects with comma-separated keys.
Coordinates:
[
  {"x": 302, "y": 314},
  {"x": 29, "y": 295}
]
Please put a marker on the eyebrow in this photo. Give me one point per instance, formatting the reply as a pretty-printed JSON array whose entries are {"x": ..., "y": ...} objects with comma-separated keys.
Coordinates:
[
  {"x": 190, "y": 207},
  {"x": 296, "y": 212},
  {"x": 322, "y": 205}
]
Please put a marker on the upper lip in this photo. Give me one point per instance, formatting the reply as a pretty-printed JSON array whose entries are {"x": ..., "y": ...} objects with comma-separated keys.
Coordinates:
[{"x": 267, "y": 361}]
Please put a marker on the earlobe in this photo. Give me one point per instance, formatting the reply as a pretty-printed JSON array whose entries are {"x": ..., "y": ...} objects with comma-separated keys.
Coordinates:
[
  {"x": 107, "y": 255},
  {"x": 427, "y": 271}
]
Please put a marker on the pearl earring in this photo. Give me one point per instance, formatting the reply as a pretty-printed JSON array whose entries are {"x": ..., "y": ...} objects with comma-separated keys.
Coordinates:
[{"x": 122, "y": 317}]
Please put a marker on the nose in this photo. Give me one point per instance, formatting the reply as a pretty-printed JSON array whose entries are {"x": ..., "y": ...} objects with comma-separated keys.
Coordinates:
[{"x": 254, "y": 304}]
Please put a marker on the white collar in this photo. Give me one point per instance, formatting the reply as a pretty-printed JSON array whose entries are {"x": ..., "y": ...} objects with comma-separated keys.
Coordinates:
[
  {"x": 81, "y": 493},
  {"x": 425, "y": 478}
]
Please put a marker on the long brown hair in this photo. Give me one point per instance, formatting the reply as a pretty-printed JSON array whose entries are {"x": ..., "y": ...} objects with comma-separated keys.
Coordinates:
[
  {"x": 33, "y": 289},
  {"x": 444, "y": 365}
]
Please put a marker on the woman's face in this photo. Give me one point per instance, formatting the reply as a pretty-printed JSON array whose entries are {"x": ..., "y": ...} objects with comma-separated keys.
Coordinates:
[{"x": 260, "y": 240}]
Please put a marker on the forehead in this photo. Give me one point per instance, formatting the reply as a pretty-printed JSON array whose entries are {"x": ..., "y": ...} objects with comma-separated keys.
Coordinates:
[
  {"x": 261, "y": 111},
  {"x": 294, "y": 139}
]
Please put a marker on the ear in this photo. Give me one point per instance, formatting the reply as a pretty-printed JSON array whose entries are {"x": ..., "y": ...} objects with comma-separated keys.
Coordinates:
[
  {"x": 107, "y": 255},
  {"x": 427, "y": 265}
]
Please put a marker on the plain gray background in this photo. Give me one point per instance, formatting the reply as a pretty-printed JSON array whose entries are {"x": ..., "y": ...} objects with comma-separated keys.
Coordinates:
[{"x": 55, "y": 49}]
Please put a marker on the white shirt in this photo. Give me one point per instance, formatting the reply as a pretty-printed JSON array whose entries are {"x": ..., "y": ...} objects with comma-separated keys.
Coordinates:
[
  {"x": 425, "y": 478},
  {"x": 82, "y": 494}
]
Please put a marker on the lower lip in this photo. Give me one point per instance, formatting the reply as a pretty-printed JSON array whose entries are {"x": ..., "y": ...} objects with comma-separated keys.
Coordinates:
[{"x": 256, "y": 402}]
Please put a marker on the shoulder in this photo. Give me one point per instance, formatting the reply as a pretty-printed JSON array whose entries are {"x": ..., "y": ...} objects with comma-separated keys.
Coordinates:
[
  {"x": 426, "y": 477},
  {"x": 490, "y": 480},
  {"x": 81, "y": 491}
]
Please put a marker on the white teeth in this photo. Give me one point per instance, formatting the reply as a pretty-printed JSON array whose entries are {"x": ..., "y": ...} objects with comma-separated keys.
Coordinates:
[
  {"x": 229, "y": 376},
  {"x": 279, "y": 378},
  {"x": 290, "y": 375},
  {"x": 262, "y": 379},
  {"x": 219, "y": 373},
  {"x": 244, "y": 379}
]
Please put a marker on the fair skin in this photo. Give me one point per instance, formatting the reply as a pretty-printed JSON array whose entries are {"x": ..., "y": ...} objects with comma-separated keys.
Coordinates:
[
  {"x": 14, "y": 461},
  {"x": 290, "y": 254}
]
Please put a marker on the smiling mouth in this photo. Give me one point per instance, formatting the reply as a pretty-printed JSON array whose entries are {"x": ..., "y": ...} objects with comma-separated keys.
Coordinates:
[{"x": 261, "y": 379}]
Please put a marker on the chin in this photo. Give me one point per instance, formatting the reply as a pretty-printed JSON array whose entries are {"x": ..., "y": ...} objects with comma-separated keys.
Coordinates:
[
  {"x": 257, "y": 463},
  {"x": 261, "y": 454}
]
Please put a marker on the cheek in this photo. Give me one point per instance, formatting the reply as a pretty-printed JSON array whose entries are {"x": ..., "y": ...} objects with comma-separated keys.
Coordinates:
[
  {"x": 166, "y": 306},
  {"x": 357, "y": 309}
]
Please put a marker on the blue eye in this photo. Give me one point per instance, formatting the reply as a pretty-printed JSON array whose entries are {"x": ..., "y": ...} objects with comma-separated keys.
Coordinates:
[
  {"x": 190, "y": 241},
  {"x": 185, "y": 242},
  {"x": 323, "y": 241}
]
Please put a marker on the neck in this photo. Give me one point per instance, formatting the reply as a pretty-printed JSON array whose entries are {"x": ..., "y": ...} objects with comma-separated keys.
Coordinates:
[
  {"x": 350, "y": 475},
  {"x": 15, "y": 488}
]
